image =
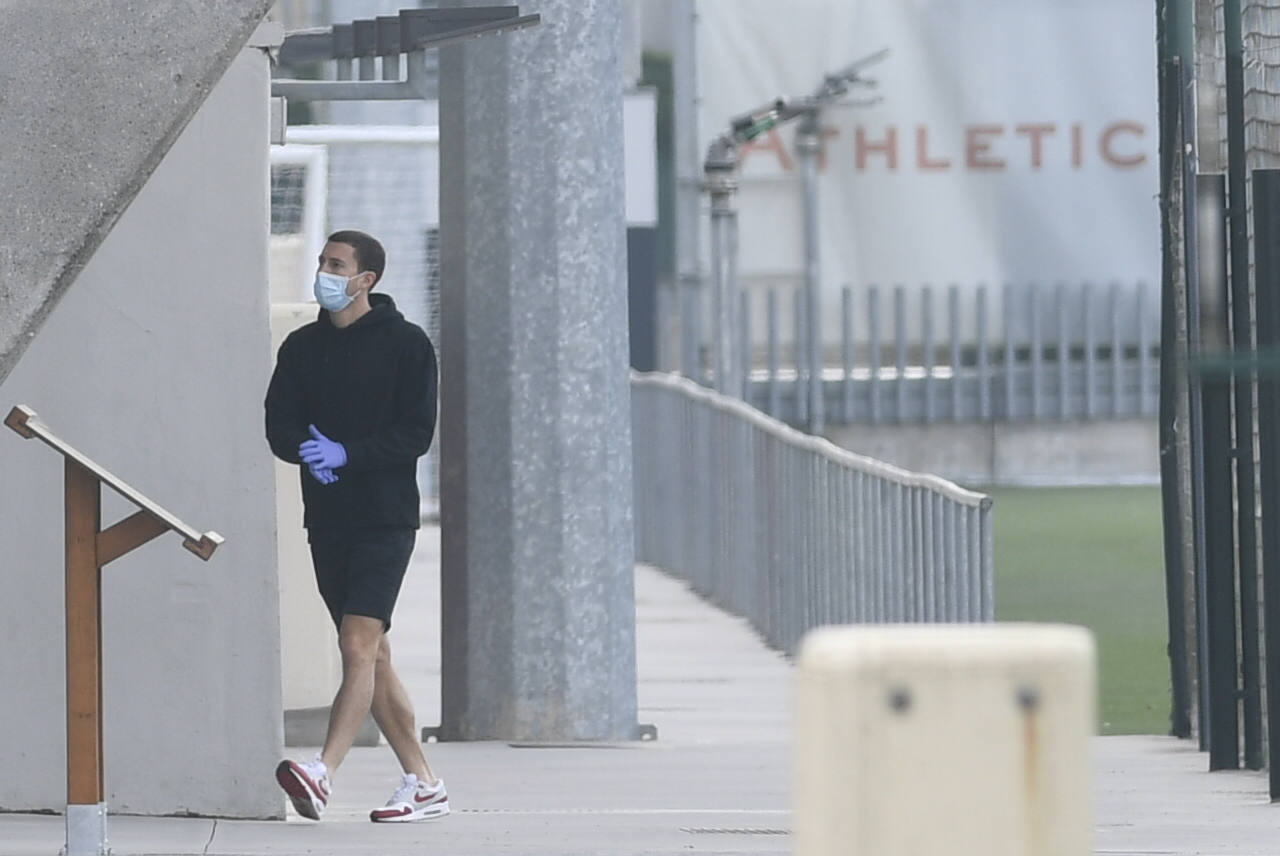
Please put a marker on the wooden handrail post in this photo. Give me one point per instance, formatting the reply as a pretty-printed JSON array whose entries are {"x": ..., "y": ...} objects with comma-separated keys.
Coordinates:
[
  {"x": 88, "y": 548},
  {"x": 86, "y": 802}
]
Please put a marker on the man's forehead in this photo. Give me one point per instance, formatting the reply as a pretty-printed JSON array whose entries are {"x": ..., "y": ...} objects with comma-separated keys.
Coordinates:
[{"x": 337, "y": 250}]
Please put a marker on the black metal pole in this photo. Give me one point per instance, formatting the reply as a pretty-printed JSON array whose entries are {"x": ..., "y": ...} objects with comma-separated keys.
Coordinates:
[
  {"x": 1242, "y": 343},
  {"x": 1219, "y": 530},
  {"x": 1220, "y": 590},
  {"x": 1266, "y": 237},
  {"x": 1195, "y": 409},
  {"x": 1175, "y": 591}
]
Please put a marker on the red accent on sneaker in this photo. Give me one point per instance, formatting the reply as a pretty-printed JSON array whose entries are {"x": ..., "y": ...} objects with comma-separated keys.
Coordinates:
[
  {"x": 306, "y": 794},
  {"x": 435, "y": 797},
  {"x": 392, "y": 812}
]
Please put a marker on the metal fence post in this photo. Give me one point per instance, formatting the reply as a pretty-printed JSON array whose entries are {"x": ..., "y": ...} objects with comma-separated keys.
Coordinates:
[
  {"x": 957, "y": 364},
  {"x": 1010, "y": 348},
  {"x": 900, "y": 352},
  {"x": 984, "y": 362},
  {"x": 775, "y": 407},
  {"x": 1266, "y": 231},
  {"x": 846, "y": 352},
  {"x": 928, "y": 345},
  {"x": 873, "y": 339}
]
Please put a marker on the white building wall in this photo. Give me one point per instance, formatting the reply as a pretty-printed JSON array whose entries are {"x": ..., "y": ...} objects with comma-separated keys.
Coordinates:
[{"x": 155, "y": 364}]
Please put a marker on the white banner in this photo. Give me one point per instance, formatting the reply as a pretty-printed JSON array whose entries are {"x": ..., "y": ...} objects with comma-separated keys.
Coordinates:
[{"x": 1016, "y": 140}]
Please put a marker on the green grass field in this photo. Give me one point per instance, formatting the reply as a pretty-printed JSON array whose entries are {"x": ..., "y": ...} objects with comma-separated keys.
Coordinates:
[{"x": 1092, "y": 556}]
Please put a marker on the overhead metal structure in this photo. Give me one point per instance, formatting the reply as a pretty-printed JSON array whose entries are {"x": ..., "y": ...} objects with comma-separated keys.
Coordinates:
[{"x": 368, "y": 51}]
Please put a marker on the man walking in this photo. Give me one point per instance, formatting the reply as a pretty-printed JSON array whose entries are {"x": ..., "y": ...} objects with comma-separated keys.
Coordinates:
[{"x": 353, "y": 402}]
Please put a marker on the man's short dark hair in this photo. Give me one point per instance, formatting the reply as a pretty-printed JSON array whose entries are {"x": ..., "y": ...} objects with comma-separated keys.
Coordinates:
[{"x": 369, "y": 253}]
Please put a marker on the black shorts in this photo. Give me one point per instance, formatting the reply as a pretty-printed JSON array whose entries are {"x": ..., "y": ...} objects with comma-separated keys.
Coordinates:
[{"x": 360, "y": 573}]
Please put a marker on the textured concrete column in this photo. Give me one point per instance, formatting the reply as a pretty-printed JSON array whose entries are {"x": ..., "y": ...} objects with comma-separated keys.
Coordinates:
[{"x": 538, "y": 592}]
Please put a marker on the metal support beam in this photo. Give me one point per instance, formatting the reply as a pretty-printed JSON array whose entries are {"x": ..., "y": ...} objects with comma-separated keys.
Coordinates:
[
  {"x": 414, "y": 86},
  {"x": 1172, "y": 408},
  {"x": 412, "y": 29},
  {"x": 412, "y": 33},
  {"x": 1242, "y": 342},
  {"x": 1219, "y": 529},
  {"x": 1266, "y": 236}
]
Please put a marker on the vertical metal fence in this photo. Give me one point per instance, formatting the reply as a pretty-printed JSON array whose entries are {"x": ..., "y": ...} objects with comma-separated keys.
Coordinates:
[
  {"x": 792, "y": 532},
  {"x": 928, "y": 354}
]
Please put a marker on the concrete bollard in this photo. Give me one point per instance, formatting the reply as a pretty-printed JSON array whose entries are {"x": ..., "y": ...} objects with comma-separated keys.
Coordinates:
[{"x": 968, "y": 740}]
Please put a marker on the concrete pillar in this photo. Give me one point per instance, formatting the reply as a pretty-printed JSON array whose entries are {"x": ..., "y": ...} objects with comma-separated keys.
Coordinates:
[{"x": 538, "y": 591}]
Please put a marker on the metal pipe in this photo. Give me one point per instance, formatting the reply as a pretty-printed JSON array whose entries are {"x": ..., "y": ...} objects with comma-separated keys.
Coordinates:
[
  {"x": 721, "y": 184},
  {"x": 808, "y": 147}
]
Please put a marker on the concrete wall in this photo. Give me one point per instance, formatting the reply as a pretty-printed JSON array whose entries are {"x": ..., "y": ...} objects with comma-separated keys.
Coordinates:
[
  {"x": 312, "y": 668},
  {"x": 155, "y": 363},
  {"x": 1112, "y": 452},
  {"x": 93, "y": 96}
]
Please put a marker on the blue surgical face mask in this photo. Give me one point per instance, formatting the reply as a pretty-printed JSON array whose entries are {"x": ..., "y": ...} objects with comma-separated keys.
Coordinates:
[{"x": 331, "y": 291}]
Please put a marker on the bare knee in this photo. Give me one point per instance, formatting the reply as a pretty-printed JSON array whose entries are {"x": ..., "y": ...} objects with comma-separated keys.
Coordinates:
[
  {"x": 359, "y": 641},
  {"x": 383, "y": 655}
]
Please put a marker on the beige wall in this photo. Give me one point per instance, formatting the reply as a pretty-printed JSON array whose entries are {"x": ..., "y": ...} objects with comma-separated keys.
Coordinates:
[
  {"x": 312, "y": 668},
  {"x": 155, "y": 363}
]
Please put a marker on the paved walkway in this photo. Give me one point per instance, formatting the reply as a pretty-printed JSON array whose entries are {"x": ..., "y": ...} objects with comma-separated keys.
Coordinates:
[{"x": 716, "y": 781}]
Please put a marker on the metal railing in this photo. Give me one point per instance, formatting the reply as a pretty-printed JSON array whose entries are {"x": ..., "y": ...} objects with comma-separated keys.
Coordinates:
[{"x": 792, "y": 532}]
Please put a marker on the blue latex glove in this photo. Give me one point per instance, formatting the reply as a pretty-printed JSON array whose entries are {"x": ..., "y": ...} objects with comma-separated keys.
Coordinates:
[
  {"x": 322, "y": 452},
  {"x": 322, "y": 474}
]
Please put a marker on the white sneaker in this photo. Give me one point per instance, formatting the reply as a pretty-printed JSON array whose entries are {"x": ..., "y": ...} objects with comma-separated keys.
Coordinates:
[
  {"x": 307, "y": 785},
  {"x": 413, "y": 800}
]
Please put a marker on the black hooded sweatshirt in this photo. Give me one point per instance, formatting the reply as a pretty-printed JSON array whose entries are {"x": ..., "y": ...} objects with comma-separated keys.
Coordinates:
[{"x": 370, "y": 386}]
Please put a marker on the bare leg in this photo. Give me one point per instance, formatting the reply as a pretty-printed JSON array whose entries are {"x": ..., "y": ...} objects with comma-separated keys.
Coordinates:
[
  {"x": 358, "y": 640},
  {"x": 393, "y": 712}
]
